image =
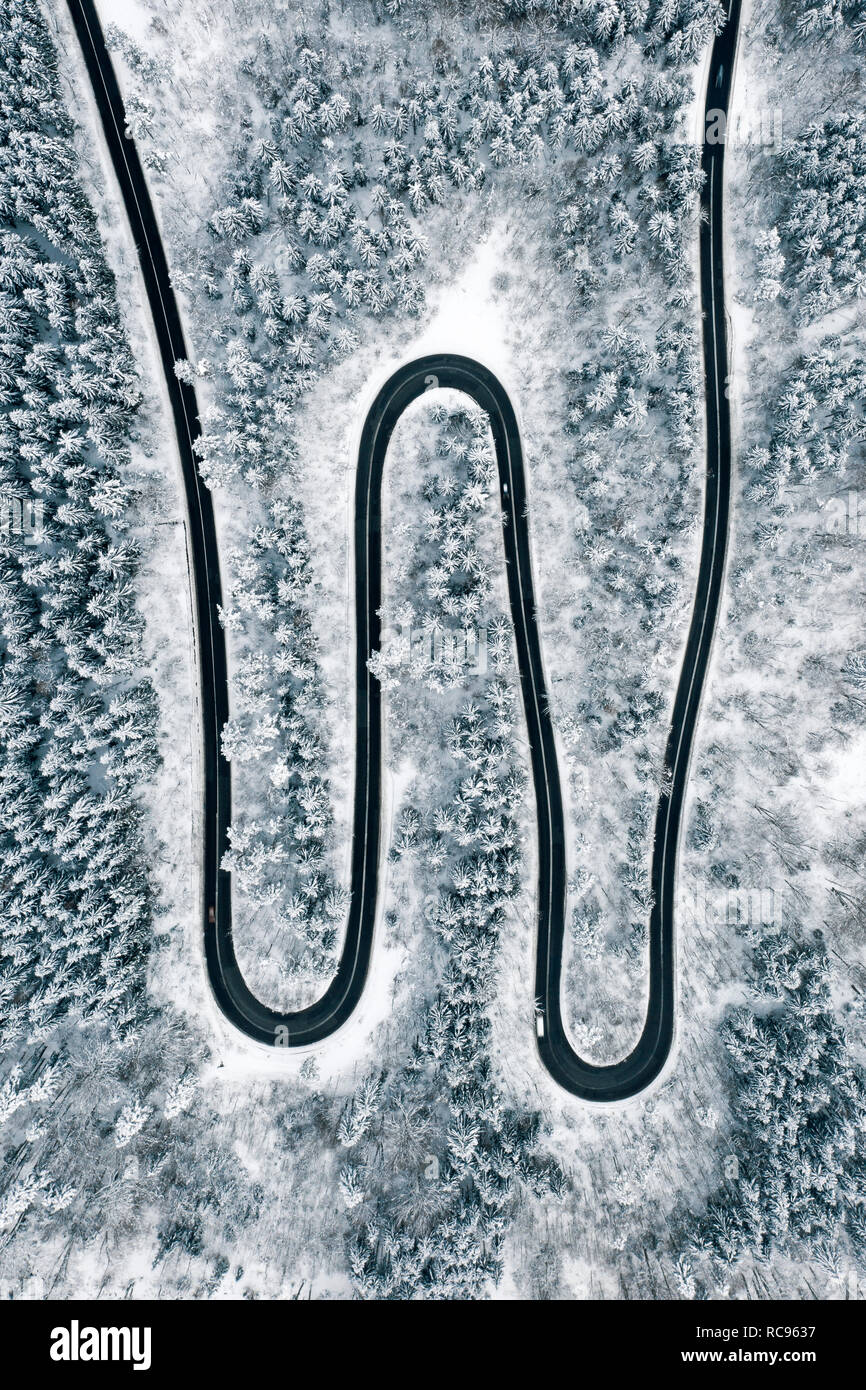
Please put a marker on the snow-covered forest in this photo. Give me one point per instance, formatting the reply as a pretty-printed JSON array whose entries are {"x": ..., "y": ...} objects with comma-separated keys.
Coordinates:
[
  {"x": 318, "y": 239},
  {"x": 78, "y": 722},
  {"x": 340, "y": 188}
]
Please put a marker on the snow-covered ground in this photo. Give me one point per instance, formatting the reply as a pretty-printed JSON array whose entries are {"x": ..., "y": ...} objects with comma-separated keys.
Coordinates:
[{"x": 775, "y": 807}]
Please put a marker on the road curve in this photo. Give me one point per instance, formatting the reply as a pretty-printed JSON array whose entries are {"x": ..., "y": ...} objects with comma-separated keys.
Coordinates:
[
  {"x": 598, "y": 1083},
  {"x": 201, "y": 531},
  {"x": 644, "y": 1063}
]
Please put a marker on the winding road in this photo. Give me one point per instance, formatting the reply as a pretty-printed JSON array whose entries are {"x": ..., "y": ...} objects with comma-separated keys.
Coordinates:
[{"x": 596, "y": 1083}]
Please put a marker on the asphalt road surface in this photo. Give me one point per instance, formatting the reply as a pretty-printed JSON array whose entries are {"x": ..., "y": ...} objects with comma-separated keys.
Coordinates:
[
  {"x": 598, "y": 1083},
  {"x": 643, "y": 1064}
]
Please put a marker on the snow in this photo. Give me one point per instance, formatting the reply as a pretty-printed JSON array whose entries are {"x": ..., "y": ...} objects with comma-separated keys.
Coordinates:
[
  {"x": 132, "y": 16},
  {"x": 494, "y": 296}
]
